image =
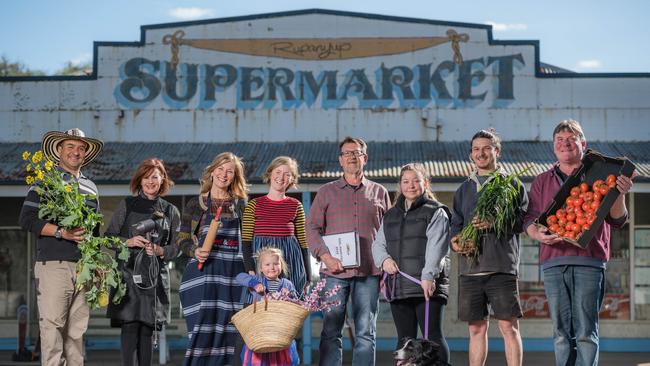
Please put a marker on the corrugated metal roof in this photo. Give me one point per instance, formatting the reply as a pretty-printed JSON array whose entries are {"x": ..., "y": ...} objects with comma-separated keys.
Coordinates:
[
  {"x": 318, "y": 160},
  {"x": 545, "y": 68}
]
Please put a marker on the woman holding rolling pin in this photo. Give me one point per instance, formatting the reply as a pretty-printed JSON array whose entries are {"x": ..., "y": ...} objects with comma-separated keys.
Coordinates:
[{"x": 209, "y": 293}]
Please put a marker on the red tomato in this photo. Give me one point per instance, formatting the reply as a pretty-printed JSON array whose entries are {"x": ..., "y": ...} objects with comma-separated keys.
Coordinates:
[
  {"x": 551, "y": 219},
  {"x": 569, "y": 201},
  {"x": 575, "y": 227},
  {"x": 578, "y": 211},
  {"x": 560, "y": 231},
  {"x": 590, "y": 220},
  {"x": 581, "y": 220},
  {"x": 560, "y": 213},
  {"x": 586, "y": 227},
  {"x": 553, "y": 228},
  {"x": 575, "y": 191},
  {"x": 577, "y": 202},
  {"x": 603, "y": 189},
  {"x": 561, "y": 221},
  {"x": 597, "y": 184},
  {"x": 589, "y": 196},
  {"x": 570, "y": 209},
  {"x": 594, "y": 206},
  {"x": 611, "y": 181},
  {"x": 569, "y": 234},
  {"x": 597, "y": 196},
  {"x": 570, "y": 217},
  {"x": 584, "y": 187},
  {"x": 586, "y": 207}
]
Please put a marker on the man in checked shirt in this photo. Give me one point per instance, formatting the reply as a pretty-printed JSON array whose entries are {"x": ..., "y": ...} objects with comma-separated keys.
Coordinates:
[{"x": 350, "y": 204}]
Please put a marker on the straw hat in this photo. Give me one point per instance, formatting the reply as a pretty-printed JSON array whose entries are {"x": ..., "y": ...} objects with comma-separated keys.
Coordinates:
[{"x": 52, "y": 139}]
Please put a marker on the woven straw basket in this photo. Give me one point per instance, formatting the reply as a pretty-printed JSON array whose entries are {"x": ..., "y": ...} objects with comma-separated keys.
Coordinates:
[{"x": 272, "y": 327}]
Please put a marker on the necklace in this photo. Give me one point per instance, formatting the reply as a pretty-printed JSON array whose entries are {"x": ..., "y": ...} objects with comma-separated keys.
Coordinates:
[
  {"x": 216, "y": 202},
  {"x": 225, "y": 203},
  {"x": 223, "y": 196},
  {"x": 220, "y": 195}
]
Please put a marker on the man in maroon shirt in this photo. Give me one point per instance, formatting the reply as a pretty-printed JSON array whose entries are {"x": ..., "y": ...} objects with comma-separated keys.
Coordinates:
[
  {"x": 349, "y": 204},
  {"x": 574, "y": 278}
]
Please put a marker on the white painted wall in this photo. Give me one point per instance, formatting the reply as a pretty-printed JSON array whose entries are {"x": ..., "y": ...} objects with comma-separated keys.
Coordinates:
[{"x": 611, "y": 108}]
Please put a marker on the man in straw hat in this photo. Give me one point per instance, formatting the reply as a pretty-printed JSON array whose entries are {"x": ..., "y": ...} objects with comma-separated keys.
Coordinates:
[{"x": 63, "y": 310}]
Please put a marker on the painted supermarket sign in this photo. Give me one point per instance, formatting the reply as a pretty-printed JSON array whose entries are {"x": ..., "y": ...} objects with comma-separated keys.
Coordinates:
[{"x": 455, "y": 82}]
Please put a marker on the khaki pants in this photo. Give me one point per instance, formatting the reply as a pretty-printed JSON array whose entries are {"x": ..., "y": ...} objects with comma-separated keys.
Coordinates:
[{"x": 63, "y": 313}]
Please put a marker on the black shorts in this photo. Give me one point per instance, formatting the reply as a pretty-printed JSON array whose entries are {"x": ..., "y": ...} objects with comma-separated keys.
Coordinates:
[{"x": 500, "y": 291}]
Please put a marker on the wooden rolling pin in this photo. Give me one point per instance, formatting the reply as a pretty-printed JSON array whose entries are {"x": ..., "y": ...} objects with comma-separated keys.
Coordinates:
[{"x": 212, "y": 233}]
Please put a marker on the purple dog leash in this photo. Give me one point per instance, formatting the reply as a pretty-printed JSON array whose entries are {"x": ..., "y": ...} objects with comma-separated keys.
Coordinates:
[{"x": 426, "y": 306}]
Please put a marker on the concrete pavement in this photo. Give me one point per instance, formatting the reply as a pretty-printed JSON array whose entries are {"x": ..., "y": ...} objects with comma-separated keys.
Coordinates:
[{"x": 112, "y": 358}]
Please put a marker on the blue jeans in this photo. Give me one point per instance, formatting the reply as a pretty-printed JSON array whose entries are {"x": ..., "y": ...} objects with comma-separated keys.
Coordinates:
[
  {"x": 574, "y": 295},
  {"x": 363, "y": 295}
]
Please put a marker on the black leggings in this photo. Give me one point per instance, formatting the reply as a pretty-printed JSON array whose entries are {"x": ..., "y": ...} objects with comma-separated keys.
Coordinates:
[
  {"x": 409, "y": 313},
  {"x": 136, "y": 344}
]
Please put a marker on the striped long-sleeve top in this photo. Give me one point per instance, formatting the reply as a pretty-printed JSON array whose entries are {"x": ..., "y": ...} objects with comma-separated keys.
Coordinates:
[{"x": 265, "y": 217}]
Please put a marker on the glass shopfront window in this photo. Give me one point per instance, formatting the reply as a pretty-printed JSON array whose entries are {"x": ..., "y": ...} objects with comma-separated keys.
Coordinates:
[
  {"x": 641, "y": 256},
  {"x": 616, "y": 304},
  {"x": 14, "y": 280},
  {"x": 15, "y": 260},
  {"x": 531, "y": 287},
  {"x": 641, "y": 211}
]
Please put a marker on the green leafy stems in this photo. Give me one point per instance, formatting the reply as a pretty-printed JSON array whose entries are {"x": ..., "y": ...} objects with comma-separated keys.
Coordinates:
[
  {"x": 497, "y": 209},
  {"x": 97, "y": 271},
  {"x": 61, "y": 202}
]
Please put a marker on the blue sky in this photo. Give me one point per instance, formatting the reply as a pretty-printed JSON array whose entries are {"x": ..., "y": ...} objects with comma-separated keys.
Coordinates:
[{"x": 580, "y": 35}]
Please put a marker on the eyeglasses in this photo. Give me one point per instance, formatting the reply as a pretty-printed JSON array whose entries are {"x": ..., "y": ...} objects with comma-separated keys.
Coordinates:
[{"x": 349, "y": 154}]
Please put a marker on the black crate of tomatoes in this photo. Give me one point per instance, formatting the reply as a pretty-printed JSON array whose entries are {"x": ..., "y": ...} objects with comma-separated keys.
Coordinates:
[{"x": 585, "y": 198}]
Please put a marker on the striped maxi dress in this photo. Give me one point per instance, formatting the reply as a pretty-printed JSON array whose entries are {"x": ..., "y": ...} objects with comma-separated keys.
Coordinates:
[{"x": 211, "y": 296}]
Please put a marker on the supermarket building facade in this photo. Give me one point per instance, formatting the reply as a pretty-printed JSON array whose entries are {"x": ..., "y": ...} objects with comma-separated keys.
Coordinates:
[{"x": 296, "y": 83}]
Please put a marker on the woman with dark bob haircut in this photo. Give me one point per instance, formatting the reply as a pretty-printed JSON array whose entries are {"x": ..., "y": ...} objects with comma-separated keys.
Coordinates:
[{"x": 150, "y": 227}]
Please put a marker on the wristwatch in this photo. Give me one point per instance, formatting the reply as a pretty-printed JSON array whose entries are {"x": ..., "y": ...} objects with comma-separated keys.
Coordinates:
[{"x": 58, "y": 234}]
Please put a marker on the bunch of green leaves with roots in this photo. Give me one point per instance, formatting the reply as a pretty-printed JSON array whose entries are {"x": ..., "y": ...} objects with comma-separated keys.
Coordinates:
[
  {"x": 497, "y": 204},
  {"x": 61, "y": 202}
]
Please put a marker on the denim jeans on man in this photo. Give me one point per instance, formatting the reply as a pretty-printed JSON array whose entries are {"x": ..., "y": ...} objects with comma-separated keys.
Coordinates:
[
  {"x": 574, "y": 295},
  {"x": 363, "y": 295}
]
